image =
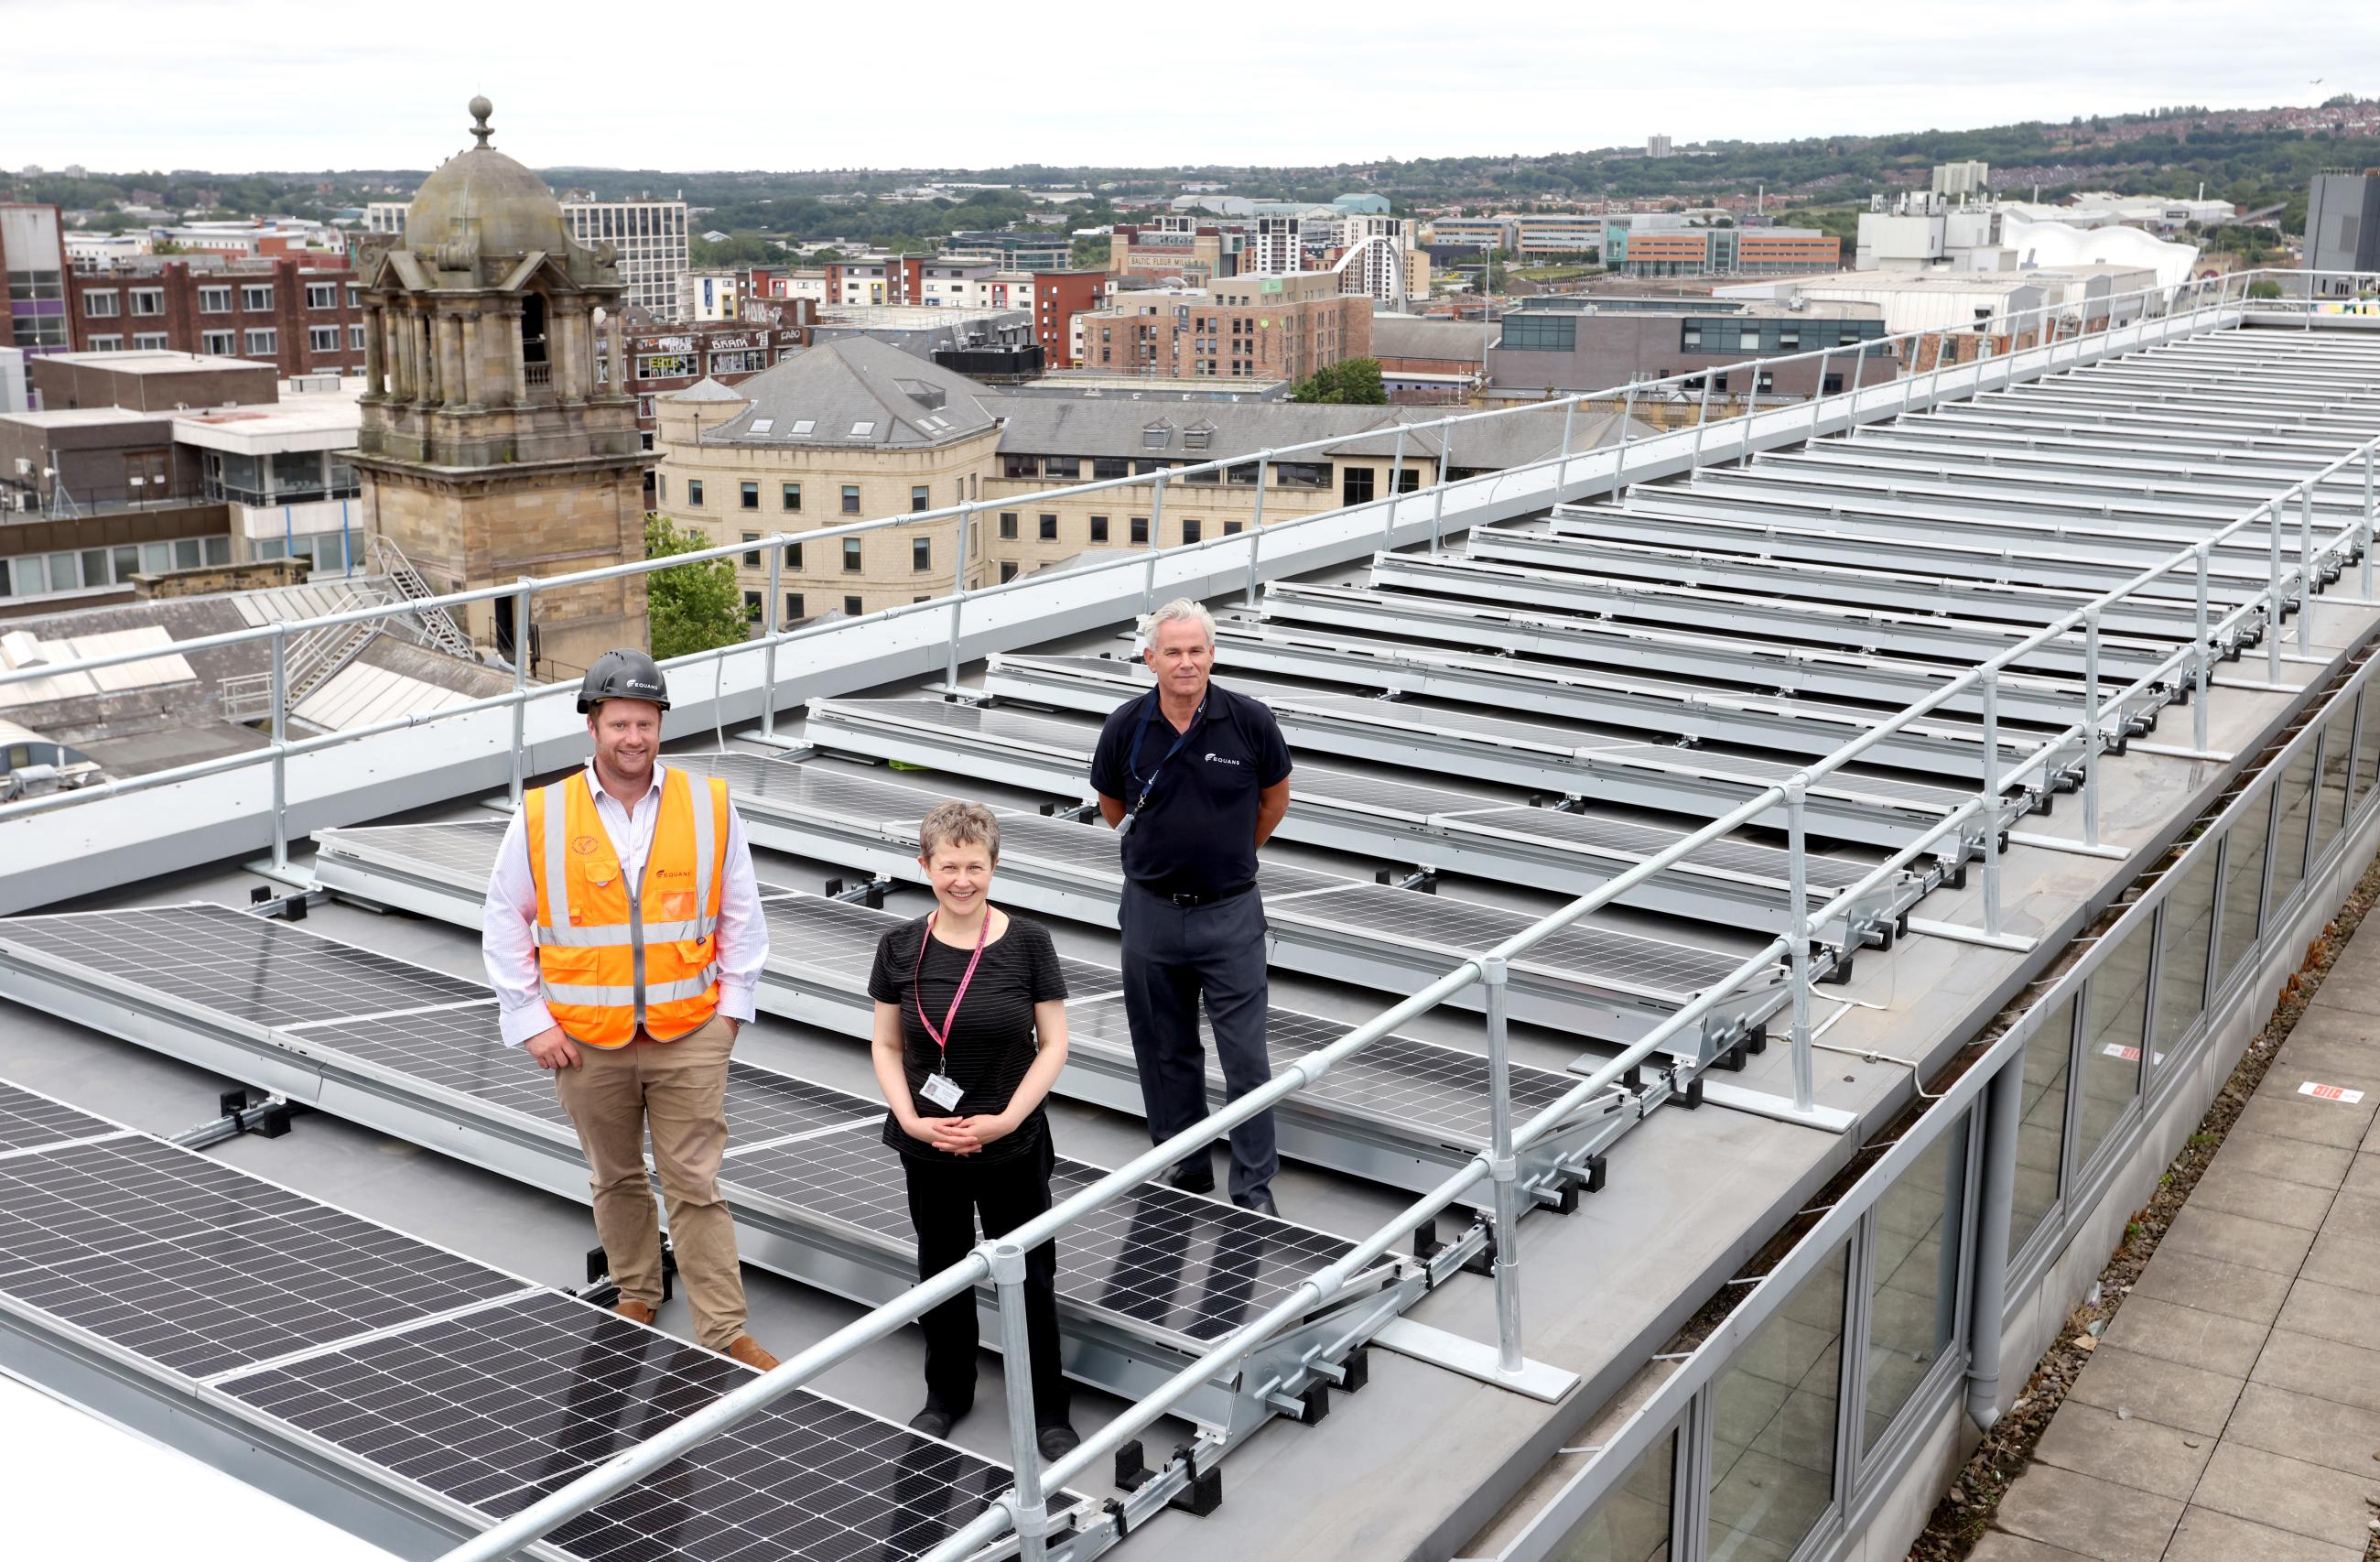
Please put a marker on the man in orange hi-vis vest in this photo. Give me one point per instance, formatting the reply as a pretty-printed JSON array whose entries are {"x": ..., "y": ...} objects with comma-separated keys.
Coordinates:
[{"x": 624, "y": 937}]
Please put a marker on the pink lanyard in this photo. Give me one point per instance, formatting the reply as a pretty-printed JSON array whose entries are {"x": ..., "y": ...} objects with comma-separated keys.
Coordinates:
[{"x": 942, "y": 1037}]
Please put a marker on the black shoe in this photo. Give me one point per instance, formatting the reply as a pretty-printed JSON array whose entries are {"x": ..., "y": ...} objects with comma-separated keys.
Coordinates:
[
  {"x": 1258, "y": 1200},
  {"x": 1195, "y": 1181},
  {"x": 933, "y": 1421},
  {"x": 1057, "y": 1442}
]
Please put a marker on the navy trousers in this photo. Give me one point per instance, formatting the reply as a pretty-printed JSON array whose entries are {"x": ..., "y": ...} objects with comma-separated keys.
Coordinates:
[{"x": 1174, "y": 955}]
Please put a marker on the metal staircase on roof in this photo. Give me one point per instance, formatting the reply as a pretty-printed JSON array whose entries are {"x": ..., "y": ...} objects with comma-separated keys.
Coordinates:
[{"x": 438, "y": 630}]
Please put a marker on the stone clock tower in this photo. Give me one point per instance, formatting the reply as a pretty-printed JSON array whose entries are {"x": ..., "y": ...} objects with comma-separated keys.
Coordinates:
[{"x": 495, "y": 443}]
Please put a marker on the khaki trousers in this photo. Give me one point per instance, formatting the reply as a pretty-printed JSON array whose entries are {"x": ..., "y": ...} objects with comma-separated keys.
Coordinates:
[{"x": 678, "y": 1090}]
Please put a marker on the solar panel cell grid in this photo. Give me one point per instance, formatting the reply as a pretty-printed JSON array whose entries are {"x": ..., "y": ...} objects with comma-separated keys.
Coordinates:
[
  {"x": 1642, "y": 840},
  {"x": 846, "y": 791},
  {"x": 499, "y": 1407},
  {"x": 251, "y": 967},
  {"x": 202, "y": 1268},
  {"x": 1076, "y": 736},
  {"x": 1192, "y": 1266},
  {"x": 27, "y": 1119},
  {"x": 461, "y": 849}
]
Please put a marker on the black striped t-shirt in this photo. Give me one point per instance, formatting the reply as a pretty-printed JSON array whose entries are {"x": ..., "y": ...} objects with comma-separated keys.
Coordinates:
[{"x": 991, "y": 1043}]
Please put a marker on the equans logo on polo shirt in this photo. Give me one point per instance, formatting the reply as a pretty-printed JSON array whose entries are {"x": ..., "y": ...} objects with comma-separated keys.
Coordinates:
[{"x": 1214, "y": 758}]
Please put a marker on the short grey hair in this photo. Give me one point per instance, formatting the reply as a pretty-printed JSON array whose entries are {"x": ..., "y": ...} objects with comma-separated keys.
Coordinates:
[
  {"x": 959, "y": 823},
  {"x": 1180, "y": 610}
]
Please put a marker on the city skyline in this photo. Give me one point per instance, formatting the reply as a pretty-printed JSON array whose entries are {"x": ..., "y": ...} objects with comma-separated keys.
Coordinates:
[{"x": 1455, "y": 92}]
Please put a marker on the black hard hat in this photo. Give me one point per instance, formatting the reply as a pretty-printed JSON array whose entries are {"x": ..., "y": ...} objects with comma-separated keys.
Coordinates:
[{"x": 623, "y": 675}]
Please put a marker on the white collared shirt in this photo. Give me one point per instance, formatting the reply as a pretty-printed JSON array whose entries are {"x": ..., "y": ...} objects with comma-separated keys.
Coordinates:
[{"x": 509, "y": 947}]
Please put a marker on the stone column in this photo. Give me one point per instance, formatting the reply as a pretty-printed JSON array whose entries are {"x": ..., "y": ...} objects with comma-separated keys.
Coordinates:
[
  {"x": 568, "y": 320},
  {"x": 425, "y": 356},
  {"x": 475, "y": 370},
  {"x": 452, "y": 383},
  {"x": 514, "y": 321},
  {"x": 373, "y": 368},
  {"x": 619, "y": 334}
]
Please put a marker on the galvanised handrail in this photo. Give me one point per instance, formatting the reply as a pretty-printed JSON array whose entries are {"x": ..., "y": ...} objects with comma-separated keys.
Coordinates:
[{"x": 1023, "y": 1510}]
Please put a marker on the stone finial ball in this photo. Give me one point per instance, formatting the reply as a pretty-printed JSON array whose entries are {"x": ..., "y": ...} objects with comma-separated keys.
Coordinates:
[{"x": 482, "y": 108}]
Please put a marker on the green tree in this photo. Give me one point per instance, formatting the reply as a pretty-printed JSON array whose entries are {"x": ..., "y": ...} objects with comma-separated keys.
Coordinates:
[
  {"x": 692, "y": 606},
  {"x": 1354, "y": 383},
  {"x": 2267, "y": 288}
]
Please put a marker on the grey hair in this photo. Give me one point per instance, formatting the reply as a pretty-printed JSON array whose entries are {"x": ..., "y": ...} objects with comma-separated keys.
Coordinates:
[
  {"x": 959, "y": 823},
  {"x": 1180, "y": 610}
]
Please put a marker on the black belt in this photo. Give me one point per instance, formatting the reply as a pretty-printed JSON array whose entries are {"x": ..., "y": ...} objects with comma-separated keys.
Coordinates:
[{"x": 1188, "y": 900}]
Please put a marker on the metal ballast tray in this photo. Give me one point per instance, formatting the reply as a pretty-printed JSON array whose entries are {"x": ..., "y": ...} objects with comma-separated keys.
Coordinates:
[
  {"x": 1144, "y": 1289},
  {"x": 1357, "y": 1119},
  {"x": 1765, "y": 661},
  {"x": 414, "y": 1396},
  {"x": 1909, "y": 630}
]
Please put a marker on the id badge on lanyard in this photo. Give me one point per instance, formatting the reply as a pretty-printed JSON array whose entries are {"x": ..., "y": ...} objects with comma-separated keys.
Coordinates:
[{"x": 939, "y": 1087}]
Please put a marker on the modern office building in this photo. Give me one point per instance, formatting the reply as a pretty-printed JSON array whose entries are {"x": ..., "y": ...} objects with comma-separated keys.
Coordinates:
[
  {"x": 1665, "y": 244},
  {"x": 33, "y": 258},
  {"x": 650, "y": 237},
  {"x": 1552, "y": 349},
  {"x": 1475, "y": 233},
  {"x": 1556, "y": 233},
  {"x": 2342, "y": 228}
]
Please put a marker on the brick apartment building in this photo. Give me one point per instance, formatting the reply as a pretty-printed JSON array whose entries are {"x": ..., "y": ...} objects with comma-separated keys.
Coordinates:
[
  {"x": 302, "y": 314},
  {"x": 664, "y": 359},
  {"x": 1246, "y": 328}
]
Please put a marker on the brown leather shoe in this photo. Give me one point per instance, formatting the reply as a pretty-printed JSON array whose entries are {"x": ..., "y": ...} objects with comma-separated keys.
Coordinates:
[
  {"x": 747, "y": 1350},
  {"x": 637, "y": 1312}
]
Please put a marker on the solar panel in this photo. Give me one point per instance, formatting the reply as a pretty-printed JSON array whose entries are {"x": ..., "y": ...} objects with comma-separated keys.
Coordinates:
[
  {"x": 1326, "y": 782},
  {"x": 27, "y": 1119},
  {"x": 463, "y": 848},
  {"x": 1073, "y": 737},
  {"x": 1194, "y": 1266},
  {"x": 251, "y": 967},
  {"x": 501, "y": 1406},
  {"x": 846, "y": 791},
  {"x": 1644, "y": 840},
  {"x": 1380, "y": 911},
  {"x": 837, "y": 939},
  {"x": 1057, "y": 840},
  {"x": 1397, "y": 1079},
  {"x": 200, "y": 1267}
]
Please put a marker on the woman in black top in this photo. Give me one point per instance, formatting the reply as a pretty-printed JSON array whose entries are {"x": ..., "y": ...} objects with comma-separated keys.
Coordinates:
[{"x": 970, "y": 1035}]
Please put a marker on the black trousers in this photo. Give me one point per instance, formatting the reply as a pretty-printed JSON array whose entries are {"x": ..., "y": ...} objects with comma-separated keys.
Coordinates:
[
  {"x": 1174, "y": 958},
  {"x": 945, "y": 1199}
]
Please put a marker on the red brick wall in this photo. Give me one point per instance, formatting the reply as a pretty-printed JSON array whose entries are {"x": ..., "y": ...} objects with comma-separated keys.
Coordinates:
[{"x": 184, "y": 327}]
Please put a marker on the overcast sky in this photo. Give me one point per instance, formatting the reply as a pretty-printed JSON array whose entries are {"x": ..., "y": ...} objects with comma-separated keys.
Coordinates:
[{"x": 232, "y": 87}]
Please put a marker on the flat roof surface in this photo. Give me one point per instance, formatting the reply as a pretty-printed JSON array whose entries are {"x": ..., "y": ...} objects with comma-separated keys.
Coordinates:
[{"x": 145, "y": 362}]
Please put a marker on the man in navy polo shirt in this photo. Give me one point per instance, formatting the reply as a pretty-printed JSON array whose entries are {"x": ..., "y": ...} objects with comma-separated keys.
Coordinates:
[{"x": 1196, "y": 779}]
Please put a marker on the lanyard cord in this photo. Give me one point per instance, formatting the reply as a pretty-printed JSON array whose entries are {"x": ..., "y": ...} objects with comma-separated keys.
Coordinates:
[
  {"x": 1140, "y": 735},
  {"x": 941, "y": 1038}
]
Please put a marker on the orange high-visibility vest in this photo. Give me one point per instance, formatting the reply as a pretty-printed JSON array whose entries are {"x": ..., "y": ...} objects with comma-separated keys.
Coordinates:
[{"x": 615, "y": 957}]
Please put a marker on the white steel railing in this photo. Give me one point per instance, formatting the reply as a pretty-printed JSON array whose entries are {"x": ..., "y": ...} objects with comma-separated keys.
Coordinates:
[{"x": 1023, "y": 1510}]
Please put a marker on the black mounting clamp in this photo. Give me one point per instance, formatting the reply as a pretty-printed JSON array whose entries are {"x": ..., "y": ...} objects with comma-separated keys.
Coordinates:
[{"x": 268, "y": 1118}]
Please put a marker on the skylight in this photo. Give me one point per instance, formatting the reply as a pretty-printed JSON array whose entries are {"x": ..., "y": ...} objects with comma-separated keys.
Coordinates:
[
  {"x": 804, "y": 425},
  {"x": 763, "y": 425},
  {"x": 861, "y": 430}
]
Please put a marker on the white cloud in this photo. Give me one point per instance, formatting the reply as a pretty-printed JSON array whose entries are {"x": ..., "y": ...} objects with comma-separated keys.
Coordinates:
[{"x": 122, "y": 84}]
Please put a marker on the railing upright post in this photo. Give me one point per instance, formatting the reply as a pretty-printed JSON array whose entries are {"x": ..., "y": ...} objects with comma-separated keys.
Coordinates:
[
  {"x": 1562, "y": 473},
  {"x": 1016, "y": 1367},
  {"x": 1502, "y": 1168},
  {"x": 1990, "y": 682},
  {"x": 1396, "y": 490},
  {"x": 280, "y": 748},
  {"x": 958, "y": 595},
  {"x": 1819, "y": 394},
  {"x": 1445, "y": 467},
  {"x": 1751, "y": 408},
  {"x": 1859, "y": 373},
  {"x": 2090, "y": 726},
  {"x": 2198, "y": 721},
  {"x": 1256, "y": 526},
  {"x": 522, "y": 599},
  {"x": 2363, "y": 553},
  {"x": 1702, "y": 420},
  {"x": 772, "y": 624},
  {"x": 1797, "y": 890},
  {"x": 2273, "y": 631},
  {"x": 1619, "y": 456},
  {"x": 2305, "y": 569},
  {"x": 1157, "y": 541}
]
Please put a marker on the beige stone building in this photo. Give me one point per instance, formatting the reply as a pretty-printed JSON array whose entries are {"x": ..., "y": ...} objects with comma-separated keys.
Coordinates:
[
  {"x": 489, "y": 449},
  {"x": 854, "y": 430}
]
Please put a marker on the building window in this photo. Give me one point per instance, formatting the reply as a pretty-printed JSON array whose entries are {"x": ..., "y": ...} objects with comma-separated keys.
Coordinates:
[
  {"x": 919, "y": 499},
  {"x": 1098, "y": 529},
  {"x": 1355, "y": 485},
  {"x": 851, "y": 498},
  {"x": 793, "y": 608},
  {"x": 1008, "y": 526},
  {"x": 694, "y": 492},
  {"x": 1140, "y": 529},
  {"x": 1231, "y": 529},
  {"x": 214, "y": 300},
  {"x": 1007, "y": 572},
  {"x": 751, "y": 556},
  {"x": 321, "y": 295},
  {"x": 1020, "y": 466},
  {"x": 107, "y": 344},
  {"x": 793, "y": 555},
  {"x": 1831, "y": 386},
  {"x": 1049, "y": 528},
  {"x": 921, "y": 552},
  {"x": 322, "y": 338},
  {"x": 748, "y": 496},
  {"x": 253, "y": 299},
  {"x": 102, "y": 306},
  {"x": 1108, "y": 466},
  {"x": 1062, "y": 466},
  {"x": 789, "y": 497},
  {"x": 1189, "y": 529},
  {"x": 1530, "y": 331},
  {"x": 264, "y": 344},
  {"x": 851, "y": 555},
  {"x": 150, "y": 341},
  {"x": 356, "y": 340},
  {"x": 354, "y": 296},
  {"x": 850, "y": 607},
  {"x": 149, "y": 300},
  {"x": 752, "y": 604}
]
